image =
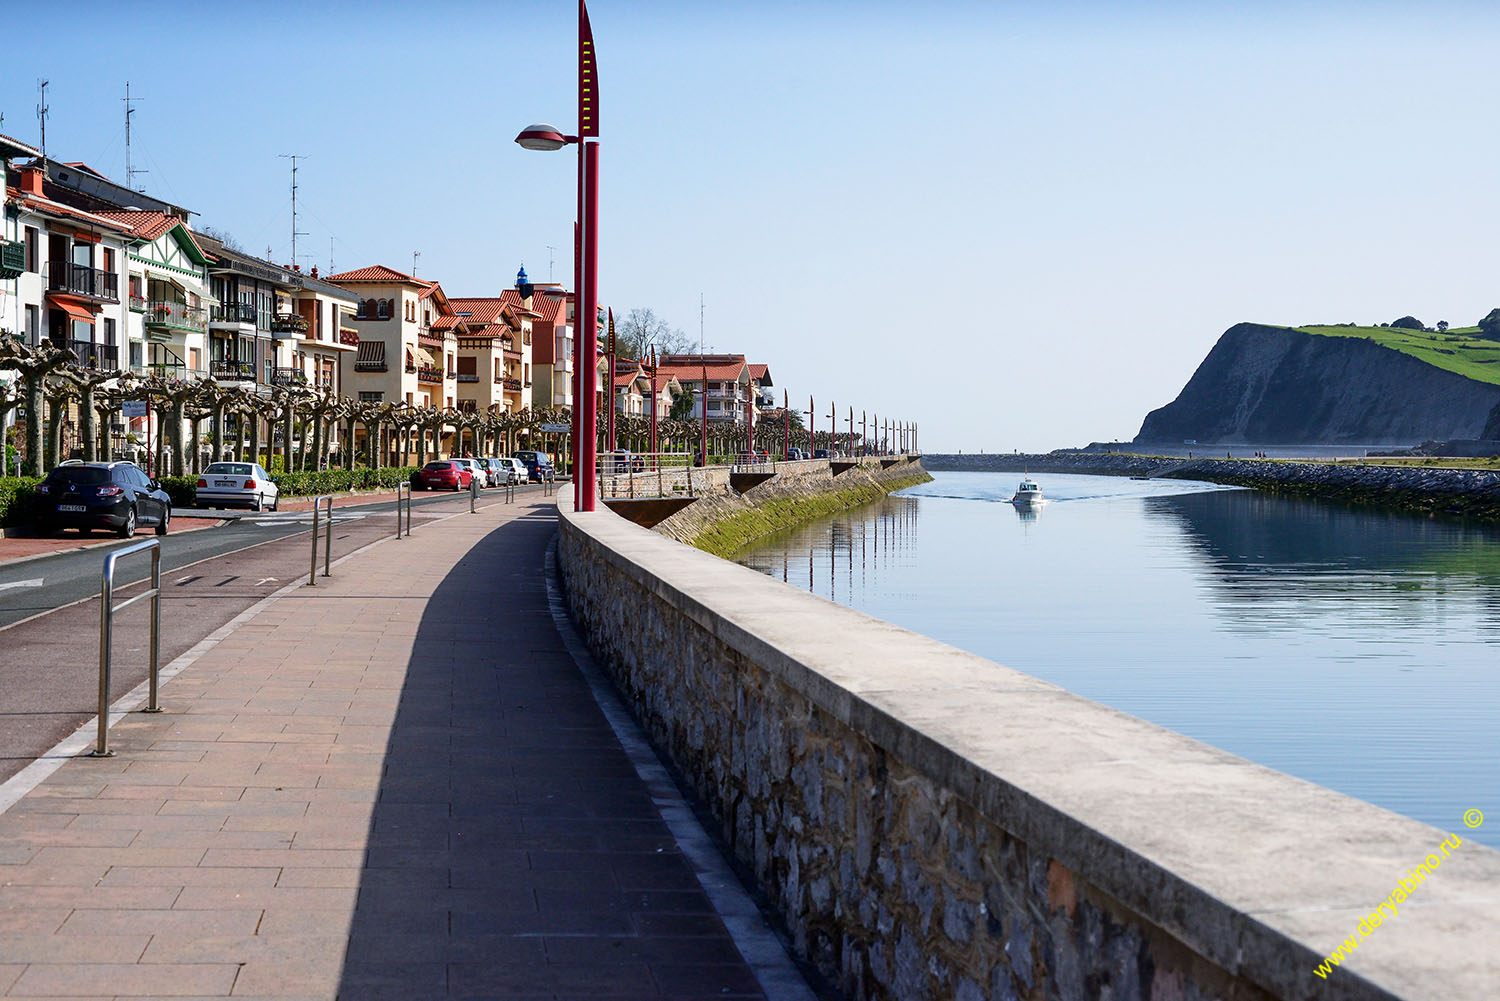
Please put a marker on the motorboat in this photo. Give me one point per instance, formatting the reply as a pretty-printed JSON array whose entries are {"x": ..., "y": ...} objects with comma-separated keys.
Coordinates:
[{"x": 1028, "y": 493}]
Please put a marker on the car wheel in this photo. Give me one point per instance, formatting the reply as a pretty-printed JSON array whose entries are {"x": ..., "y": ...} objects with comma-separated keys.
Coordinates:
[
  {"x": 276, "y": 503},
  {"x": 257, "y": 504},
  {"x": 128, "y": 529},
  {"x": 166, "y": 519}
]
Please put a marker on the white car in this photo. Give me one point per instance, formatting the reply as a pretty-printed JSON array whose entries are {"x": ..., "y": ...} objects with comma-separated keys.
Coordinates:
[
  {"x": 231, "y": 484},
  {"x": 479, "y": 472},
  {"x": 518, "y": 472}
]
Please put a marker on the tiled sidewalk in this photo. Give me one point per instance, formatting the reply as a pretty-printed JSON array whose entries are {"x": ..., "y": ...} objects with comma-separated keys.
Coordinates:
[{"x": 396, "y": 785}]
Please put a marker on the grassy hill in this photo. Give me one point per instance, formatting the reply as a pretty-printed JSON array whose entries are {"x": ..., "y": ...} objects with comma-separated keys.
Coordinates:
[{"x": 1460, "y": 350}]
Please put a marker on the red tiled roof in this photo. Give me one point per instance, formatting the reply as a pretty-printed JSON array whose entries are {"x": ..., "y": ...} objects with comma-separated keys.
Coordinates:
[
  {"x": 447, "y": 322},
  {"x": 549, "y": 307},
  {"x": 626, "y": 378},
  {"x": 376, "y": 273},
  {"x": 144, "y": 225},
  {"x": 762, "y": 373},
  {"x": 80, "y": 165},
  {"x": 693, "y": 371},
  {"x": 19, "y": 197},
  {"x": 483, "y": 310}
]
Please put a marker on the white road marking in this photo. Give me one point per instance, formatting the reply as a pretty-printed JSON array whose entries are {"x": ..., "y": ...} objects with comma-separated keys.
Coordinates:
[
  {"x": 302, "y": 519},
  {"x": 22, "y": 583},
  {"x": 265, "y": 580}
]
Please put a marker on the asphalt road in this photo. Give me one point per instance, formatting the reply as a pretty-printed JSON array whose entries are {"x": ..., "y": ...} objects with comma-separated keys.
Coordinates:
[{"x": 49, "y": 608}]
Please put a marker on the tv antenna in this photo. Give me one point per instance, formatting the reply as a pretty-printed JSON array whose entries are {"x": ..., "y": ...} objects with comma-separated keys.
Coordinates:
[
  {"x": 330, "y": 253},
  {"x": 700, "y": 326},
  {"x": 130, "y": 171},
  {"x": 294, "y": 157},
  {"x": 42, "y": 111},
  {"x": 550, "y": 250},
  {"x": 414, "y": 255}
]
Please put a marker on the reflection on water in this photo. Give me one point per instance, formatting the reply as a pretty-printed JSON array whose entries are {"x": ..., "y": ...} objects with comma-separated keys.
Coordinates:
[{"x": 1356, "y": 649}]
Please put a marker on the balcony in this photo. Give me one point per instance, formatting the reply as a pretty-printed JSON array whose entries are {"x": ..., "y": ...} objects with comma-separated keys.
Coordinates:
[
  {"x": 12, "y": 259},
  {"x": 288, "y": 376},
  {"x": 349, "y": 336},
  {"x": 96, "y": 357},
  {"x": 468, "y": 377},
  {"x": 288, "y": 325},
  {"x": 428, "y": 373},
  {"x": 511, "y": 385},
  {"x": 228, "y": 370},
  {"x": 233, "y": 312},
  {"x": 137, "y": 302},
  {"x": 170, "y": 371},
  {"x": 371, "y": 366},
  {"x": 172, "y": 315},
  {"x": 80, "y": 279}
]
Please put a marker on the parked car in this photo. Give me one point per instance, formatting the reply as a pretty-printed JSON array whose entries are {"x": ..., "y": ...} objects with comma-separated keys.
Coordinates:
[
  {"x": 110, "y": 495},
  {"x": 496, "y": 472},
  {"x": 794, "y": 454},
  {"x": 227, "y": 484},
  {"x": 475, "y": 470},
  {"x": 821, "y": 453},
  {"x": 515, "y": 470},
  {"x": 622, "y": 460},
  {"x": 538, "y": 466},
  {"x": 445, "y": 474}
]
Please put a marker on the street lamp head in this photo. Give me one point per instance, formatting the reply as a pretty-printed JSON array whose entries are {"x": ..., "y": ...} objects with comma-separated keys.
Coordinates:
[{"x": 541, "y": 136}]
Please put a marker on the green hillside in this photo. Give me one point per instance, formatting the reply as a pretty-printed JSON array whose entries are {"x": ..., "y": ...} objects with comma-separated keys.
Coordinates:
[{"x": 1459, "y": 350}]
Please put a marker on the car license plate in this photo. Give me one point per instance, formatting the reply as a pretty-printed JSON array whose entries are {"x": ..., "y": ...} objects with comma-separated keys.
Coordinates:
[
  {"x": 72, "y": 507},
  {"x": 225, "y": 483}
]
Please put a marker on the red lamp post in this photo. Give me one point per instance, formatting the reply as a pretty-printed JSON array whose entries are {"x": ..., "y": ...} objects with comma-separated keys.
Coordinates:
[
  {"x": 786, "y": 425},
  {"x": 585, "y": 261},
  {"x": 654, "y": 457}
]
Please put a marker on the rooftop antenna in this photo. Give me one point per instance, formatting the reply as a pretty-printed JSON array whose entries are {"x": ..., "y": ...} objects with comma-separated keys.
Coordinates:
[
  {"x": 330, "y": 253},
  {"x": 41, "y": 113},
  {"x": 550, "y": 249},
  {"x": 130, "y": 171},
  {"x": 414, "y": 255},
  {"x": 294, "y": 157},
  {"x": 700, "y": 323}
]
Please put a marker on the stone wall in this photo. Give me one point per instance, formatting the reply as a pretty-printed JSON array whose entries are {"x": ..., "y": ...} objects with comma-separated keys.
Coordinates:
[
  {"x": 1472, "y": 493},
  {"x": 932, "y": 825}
]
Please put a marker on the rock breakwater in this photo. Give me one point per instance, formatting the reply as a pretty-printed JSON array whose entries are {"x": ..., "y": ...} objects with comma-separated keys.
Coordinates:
[{"x": 1468, "y": 493}]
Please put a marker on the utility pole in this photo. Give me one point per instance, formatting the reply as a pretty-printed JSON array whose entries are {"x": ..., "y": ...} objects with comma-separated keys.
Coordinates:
[
  {"x": 41, "y": 113},
  {"x": 294, "y": 157},
  {"x": 130, "y": 171}
]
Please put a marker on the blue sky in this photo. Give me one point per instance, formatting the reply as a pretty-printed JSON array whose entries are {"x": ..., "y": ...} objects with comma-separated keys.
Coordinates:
[{"x": 1021, "y": 225}]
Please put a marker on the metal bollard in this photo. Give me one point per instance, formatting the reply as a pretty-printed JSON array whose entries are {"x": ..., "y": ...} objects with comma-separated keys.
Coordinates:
[
  {"x": 405, "y": 485},
  {"x": 107, "y": 609},
  {"x": 312, "y": 573},
  {"x": 473, "y": 494}
]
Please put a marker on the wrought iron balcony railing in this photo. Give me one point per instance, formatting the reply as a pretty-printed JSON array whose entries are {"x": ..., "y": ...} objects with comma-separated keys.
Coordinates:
[
  {"x": 347, "y": 336},
  {"x": 468, "y": 377},
  {"x": 170, "y": 313},
  {"x": 96, "y": 357},
  {"x": 80, "y": 279},
  {"x": 426, "y": 373},
  {"x": 289, "y": 323},
  {"x": 371, "y": 366},
  {"x": 288, "y": 376},
  {"x": 514, "y": 385},
  {"x": 233, "y": 312},
  {"x": 227, "y": 368}
]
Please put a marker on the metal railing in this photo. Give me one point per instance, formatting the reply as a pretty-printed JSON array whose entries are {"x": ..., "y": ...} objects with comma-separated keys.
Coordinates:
[
  {"x": 80, "y": 279},
  {"x": 312, "y": 573},
  {"x": 229, "y": 368},
  {"x": 107, "y": 610},
  {"x": 232, "y": 312},
  {"x": 406, "y": 486},
  {"x": 96, "y": 357},
  {"x": 170, "y": 313},
  {"x": 644, "y": 474}
]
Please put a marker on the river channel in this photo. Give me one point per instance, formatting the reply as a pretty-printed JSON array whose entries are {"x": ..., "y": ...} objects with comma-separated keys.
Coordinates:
[{"x": 1353, "y": 648}]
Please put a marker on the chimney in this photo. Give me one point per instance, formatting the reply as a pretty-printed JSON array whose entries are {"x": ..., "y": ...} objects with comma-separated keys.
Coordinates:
[
  {"x": 315, "y": 271},
  {"x": 31, "y": 180}
]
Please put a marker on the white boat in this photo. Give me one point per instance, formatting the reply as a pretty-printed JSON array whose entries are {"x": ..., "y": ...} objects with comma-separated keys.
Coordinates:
[{"x": 1027, "y": 493}]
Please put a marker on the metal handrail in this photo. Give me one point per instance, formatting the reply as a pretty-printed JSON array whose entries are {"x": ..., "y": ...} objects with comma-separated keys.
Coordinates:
[
  {"x": 404, "y": 485},
  {"x": 312, "y": 573},
  {"x": 107, "y": 609}
]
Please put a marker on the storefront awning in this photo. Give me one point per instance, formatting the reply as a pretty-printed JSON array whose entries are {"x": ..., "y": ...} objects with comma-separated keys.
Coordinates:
[
  {"x": 73, "y": 307},
  {"x": 425, "y": 358},
  {"x": 371, "y": 351}
]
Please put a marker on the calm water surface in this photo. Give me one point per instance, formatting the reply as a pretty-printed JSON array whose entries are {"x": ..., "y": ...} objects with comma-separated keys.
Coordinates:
[{"x": 1355, "y": 649}]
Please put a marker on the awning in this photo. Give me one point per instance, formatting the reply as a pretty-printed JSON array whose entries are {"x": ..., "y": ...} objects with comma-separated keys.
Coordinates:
[
  {"x": 425, "y": 358},
  {"x": 371, "y": 351},
  {"x": 73, "y": 307}
]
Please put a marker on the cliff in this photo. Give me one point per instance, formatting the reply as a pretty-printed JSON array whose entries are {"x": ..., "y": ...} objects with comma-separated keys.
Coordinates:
[{"x": 1278, "y": 385}]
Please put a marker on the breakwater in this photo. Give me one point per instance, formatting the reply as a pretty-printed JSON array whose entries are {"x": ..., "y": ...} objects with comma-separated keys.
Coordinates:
[
  {"x": 724, "y": 517},
  {"x": 1469, "y": 493},
  {"x": 930, "y": 824}
]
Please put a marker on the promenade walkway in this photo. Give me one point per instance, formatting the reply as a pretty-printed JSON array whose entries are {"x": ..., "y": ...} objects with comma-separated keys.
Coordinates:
[{"x": 397, "y": 784}]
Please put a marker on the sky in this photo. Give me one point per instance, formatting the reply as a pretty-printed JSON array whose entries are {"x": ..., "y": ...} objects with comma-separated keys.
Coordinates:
[{"x": 1018, "y": 225}]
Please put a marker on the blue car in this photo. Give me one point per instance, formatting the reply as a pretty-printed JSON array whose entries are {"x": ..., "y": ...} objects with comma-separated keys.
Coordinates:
[{"x": 539, "y": 468}]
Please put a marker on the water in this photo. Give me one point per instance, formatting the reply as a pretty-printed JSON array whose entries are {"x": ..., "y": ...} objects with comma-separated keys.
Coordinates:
[{"x": 1356, "y": 649}]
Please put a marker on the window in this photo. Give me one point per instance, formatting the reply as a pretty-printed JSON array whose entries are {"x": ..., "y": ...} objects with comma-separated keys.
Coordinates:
[
  {"x": 33, "y": 249},
  {"x": 371, "y": 397},
  {"x": 109, "y": 260},
  {"x": 109, "y": 331},
  {"x": 33, "y": 325},
  {"x": 135, "y": 354},
  {"x": 385, "y": 309}
]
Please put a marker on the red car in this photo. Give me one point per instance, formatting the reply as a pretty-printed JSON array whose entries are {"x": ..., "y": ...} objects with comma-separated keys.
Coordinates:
[{"x": 445, "y": 475}]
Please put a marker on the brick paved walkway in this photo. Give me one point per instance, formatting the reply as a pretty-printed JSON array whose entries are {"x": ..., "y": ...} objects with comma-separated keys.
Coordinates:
[{"x": 397, "y": 785}]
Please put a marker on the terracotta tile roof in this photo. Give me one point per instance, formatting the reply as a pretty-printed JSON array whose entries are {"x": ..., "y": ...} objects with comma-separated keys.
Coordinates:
[
  {"x": 550, "y": 307},
  {"x": 375, "y": 273},
  {"x": 483, "y": 310},
  {"x": 80, "y": 165},
  {"x": 447, "y": 322},
  {"x": 145, "y": 225},
  {"x": 693, "y": 371},
  {"x": 761, "y": 373},
  {"x": 18, "y": 197}
]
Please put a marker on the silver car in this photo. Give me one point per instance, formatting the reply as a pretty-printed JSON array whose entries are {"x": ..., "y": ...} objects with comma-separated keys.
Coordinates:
[{"x": 235, "y": 484}]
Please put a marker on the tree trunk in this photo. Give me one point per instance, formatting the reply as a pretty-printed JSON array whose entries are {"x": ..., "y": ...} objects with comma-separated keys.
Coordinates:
[
  {"x": 254, "y": 418},
  {"x": 372, "y": 432},
  {"x": 179, "y": 458},
  {"x": 195, "y": 437},
  {"x": 34, "y": 425},
  {"x": 317, "y": 442},
  {"x": 105, "y": 414},
  {"x": 88, "y": 424},
  {"x": 58, "y": 409},
  {"x": 217, "y": 429},
  {"x": 349, "y": 442}
]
